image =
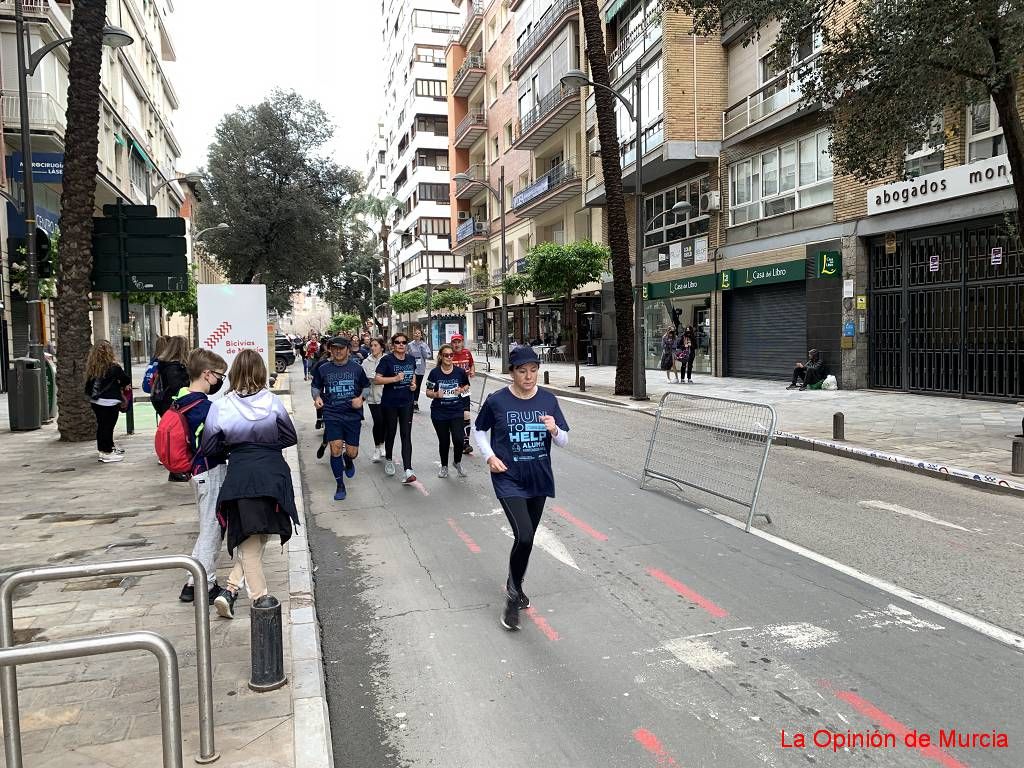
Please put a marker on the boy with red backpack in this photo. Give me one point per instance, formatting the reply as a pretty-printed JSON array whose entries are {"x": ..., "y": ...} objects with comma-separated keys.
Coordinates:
[{"x": 177, "y": 444}]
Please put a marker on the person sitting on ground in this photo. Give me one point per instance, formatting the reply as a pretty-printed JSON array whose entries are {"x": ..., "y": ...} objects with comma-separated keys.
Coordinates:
[{"x": 810, "y": 373}]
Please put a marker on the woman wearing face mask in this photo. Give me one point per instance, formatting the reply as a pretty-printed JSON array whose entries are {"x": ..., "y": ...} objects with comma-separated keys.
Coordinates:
[{"x": 523, "y": 421}]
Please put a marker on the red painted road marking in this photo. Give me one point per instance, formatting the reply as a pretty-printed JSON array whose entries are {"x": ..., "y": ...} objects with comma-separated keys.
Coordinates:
[
  {"x": 472, "y": 545},
  {"x": 650, "y": 742},
  {"x": 891, "y": 724},
  {"x": 579, "y": 523},
  {"x": 695, "y": 598},
  {"x": 419, "y": 487},
  {"x": 542, "y": 623}
]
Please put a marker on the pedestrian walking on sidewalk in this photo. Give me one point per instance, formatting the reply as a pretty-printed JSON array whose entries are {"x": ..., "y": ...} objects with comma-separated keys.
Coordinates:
[
  {"x": 338, "y": 387},
  {"x": 321, "y": 356},
  {"x": 105, "y": 382},
  {"x": 397, "y": 372},
  {"x": 374, "y": 352},
  {"x": 668, "y": 354},
  {"x": 523, "y": 421},
  {"x": 446, "y": 386},
  {"x": 419, "y": 350},
  {"x": 687, "y": 352},
  {"x": 170, "y": 379},
  {"x": 464, "y": 359},
  {"x": 252, "y": 426},
  {"x": 207, "y": 371}
]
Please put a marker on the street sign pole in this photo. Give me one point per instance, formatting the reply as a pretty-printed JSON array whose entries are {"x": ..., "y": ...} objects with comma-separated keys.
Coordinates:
[{"x": 126, "y": 339}]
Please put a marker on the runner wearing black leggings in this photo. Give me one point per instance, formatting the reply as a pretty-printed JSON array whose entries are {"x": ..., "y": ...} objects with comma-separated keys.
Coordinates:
[
  {"x": 523, "y": 421},
  {"x": 446, "y": 386},
  {"x": 397, "y": 372}
]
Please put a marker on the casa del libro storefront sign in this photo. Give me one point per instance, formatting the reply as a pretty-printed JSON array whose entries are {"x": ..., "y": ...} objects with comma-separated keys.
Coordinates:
[{"x": 982, "y": 176}]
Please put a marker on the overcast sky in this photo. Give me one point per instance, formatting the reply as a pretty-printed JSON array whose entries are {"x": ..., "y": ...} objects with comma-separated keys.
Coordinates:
[{"x": 234, "y": 52}]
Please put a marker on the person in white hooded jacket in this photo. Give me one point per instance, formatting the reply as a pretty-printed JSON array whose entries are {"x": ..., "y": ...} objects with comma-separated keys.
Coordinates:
[{"x": 257, "y": 500}]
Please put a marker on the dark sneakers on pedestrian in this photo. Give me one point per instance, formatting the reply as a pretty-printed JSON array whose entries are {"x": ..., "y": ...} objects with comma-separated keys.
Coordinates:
[
  {"x": 225, "y": 604},
  {"x": 520, "y": 597},
  {"x": 321, "y": 450},
  {"x": 340, "y": 494},
  {"x": 510, "y": 615},
  {"x": 350, "y": 466},
  {"x": 188, "y": 593}
]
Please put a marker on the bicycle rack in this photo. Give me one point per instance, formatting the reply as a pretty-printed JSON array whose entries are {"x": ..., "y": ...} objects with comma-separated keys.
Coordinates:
[
  {"x": 8, "y": 674},
  {"x": 159, "y": 646}
]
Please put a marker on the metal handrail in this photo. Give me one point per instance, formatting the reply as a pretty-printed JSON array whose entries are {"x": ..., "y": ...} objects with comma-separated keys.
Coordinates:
[
  {"x": 473, "y": 61},
  {"x": 476, "y": 117},
  {"x": 548, "y": 22},
  {"x": 8, "y": 675},
  {"x": 626, "y": 44},
  {"x": 167, "y": 659},
  {"x": 546, "y": 105},
  {"x": 789, "y": 79},
  {"x": 562, "y": 173},
  {"x": 476, "y": 172}
]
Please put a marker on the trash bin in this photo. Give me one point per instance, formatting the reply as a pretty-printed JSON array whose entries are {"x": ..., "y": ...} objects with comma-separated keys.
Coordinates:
[{"x": 24, "y": 396}]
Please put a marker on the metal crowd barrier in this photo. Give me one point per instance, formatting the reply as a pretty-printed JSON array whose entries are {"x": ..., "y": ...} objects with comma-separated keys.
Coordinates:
[
  {"x": 204, "y": 668},
  {"x": 712, "y": 444},
  {"x": 167, "y": 659}
]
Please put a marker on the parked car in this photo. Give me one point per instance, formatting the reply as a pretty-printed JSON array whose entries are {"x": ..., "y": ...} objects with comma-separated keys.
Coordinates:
[{"x": 284, "y": 353}]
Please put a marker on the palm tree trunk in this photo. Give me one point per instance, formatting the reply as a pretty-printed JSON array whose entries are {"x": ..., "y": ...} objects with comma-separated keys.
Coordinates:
[
  {"x": 615, "y": 206},
  {"x": 75, "y": 419}
]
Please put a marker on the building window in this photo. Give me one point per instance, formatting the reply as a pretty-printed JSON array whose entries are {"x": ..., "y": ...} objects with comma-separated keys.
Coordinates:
[
  {"x": 508, "y": 134},
  {"x": 670, "y": 227},
  {"x": 438, "y": 21},
  {"x": 435, "y": 192},
  {"x": 435, "y": 89},
  {"x": 984, "y": 134},
  {"x": 429, "y": 54},
  {"x": 793, "y": 176},
  {"x": 435, "y": 124},
  {"x": 927, "y": 156},
  {"x": 495, "y": 148},
  {"x": 434, "y": 226},
  {"x": 506, "y": 73},
  {"x": 492, "y": 90}
]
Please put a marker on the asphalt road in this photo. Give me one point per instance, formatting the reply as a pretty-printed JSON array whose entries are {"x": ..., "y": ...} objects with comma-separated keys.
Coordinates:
[{"x": 659, "y": 635}]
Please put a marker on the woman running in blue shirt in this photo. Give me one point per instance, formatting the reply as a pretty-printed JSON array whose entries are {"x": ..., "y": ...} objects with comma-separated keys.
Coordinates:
[{"x": 523, "y": 421}]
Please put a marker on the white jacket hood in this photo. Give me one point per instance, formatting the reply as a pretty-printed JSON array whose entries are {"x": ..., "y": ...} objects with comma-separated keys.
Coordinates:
[{"x": 252, "y": 408}]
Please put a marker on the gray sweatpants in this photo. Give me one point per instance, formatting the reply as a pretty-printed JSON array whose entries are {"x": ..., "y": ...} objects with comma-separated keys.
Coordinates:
[{"x": 208, "y": 543}]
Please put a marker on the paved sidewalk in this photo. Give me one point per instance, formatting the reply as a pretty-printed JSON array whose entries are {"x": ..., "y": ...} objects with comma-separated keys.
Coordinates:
[
  {"x": 941, "y": 432},
  {"x": 59, "y": 505}
]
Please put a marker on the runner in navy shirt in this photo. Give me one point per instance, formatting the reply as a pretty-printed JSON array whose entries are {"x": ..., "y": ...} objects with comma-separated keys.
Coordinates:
[
  {"x": 523, "y": 421},
  {"x": 446, "y": 385},
  {"x": 397, "y": 372},
  {"x": 338, "y": 387}
]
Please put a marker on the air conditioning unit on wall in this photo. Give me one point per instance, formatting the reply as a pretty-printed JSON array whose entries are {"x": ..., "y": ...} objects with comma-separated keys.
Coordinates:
[
  {"x": 711, "y": 202},
  {"x": 463, "y": 215}
]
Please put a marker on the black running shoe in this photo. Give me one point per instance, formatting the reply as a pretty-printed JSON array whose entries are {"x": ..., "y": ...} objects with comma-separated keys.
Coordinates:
[
  {"x": 225, "y": 604},
  {"x": 188, "y": 594},
  {"x": 510, "y": 616},
  {"x": 319, "y": 424},
  {"x": 321, "y": 450},
  {"x": 520, "y": 597}
]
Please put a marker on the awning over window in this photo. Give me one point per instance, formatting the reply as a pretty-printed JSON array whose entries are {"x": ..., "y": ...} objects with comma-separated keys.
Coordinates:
[
  {"x": 614, "y": 8},
  {"x": 142, "y": 153}
]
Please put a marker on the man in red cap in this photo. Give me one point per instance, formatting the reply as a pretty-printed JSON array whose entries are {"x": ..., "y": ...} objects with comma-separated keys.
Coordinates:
[{"x": 464, "y": 359}]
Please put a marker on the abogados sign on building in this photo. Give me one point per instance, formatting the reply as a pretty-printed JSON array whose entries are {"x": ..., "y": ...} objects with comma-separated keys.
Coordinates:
[{"x": 982, "y": 176}]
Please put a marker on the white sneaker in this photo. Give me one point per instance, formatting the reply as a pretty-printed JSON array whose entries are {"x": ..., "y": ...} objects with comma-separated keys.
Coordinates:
[
  {"x": 118, "y": 449},
  {"x": 376, "y": 454},
  {"x": 110, "y": 458},
  {"x": 443, "y": 472},
  {"x": 389, "y": 467},
  {"x": 460, "y": 470},
  {"x": 410, "y": 477}
]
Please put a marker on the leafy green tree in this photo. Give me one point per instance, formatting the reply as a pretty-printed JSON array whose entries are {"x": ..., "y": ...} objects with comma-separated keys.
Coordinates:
[
  {"x": 615, "y": 207},
  {"x": 345, "y": 323},
  {"x": 890, "y": 68},
  {"x": 286, "y": 203},
  {"x": 75, "y": 419},
  {"x": 408, "y": 302},
  {"x": 558, "y": 270},
  {"x": 452, "y": 298}
]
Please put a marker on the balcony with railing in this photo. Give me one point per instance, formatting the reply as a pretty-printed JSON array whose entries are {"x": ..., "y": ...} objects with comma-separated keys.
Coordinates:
[
  {"x": 778, "y": 93},
  {"x": 474, "y": 18},
  {"x": 44, "y": 112},
  {"x": 471, "y": 128},
  {"x": 553, "y": 111},
  {"x": 45, "y": 8},
  {"x": 622, "y": 60},
  {"x": 560, "y": 184},
  {"x": 470, "y": 231},
  {"x": 469, "y": 75},
  {"x": 559, "y": 14},
  {"x": 466, "y": 189}
]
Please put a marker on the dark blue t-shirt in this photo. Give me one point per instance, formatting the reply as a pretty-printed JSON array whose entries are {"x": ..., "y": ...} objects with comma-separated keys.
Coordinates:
[
  {"x": 338, "y": 385},
  {"x": 397, "y": 395},
  {"x": 522, "y": 442},
  {"x": 449, "y": 405}
]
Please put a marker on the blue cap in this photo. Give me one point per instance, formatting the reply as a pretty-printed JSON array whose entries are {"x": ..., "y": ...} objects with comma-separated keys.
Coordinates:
[{"x": 521, "y": 356}]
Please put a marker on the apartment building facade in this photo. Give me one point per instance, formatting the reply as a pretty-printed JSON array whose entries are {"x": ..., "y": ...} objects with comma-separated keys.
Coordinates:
[
  {"x": 415, "y": 160},
  {"x": 138, "y": 150}
]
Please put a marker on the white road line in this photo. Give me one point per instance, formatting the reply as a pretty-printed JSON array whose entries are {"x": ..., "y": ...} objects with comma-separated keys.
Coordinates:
[
  {"x": 893, "y": 615},
  {"x": 546, "y": 540},
  {"x": 945, "y": 611},
  {"x": 924, "y": 516}
]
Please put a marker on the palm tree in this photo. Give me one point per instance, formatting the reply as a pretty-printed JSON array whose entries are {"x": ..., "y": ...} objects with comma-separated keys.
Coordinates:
[
  {"x": 75, "y": 419},
  {"x": 377, "y": 210},
  {"x": 615, "y": 206}
]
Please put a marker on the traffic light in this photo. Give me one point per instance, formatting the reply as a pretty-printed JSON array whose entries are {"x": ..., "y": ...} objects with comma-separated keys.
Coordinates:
[{"x": 44, "y": 258}]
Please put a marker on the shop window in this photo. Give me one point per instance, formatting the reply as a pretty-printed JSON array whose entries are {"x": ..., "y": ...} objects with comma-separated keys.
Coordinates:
[{"x": 984, "y": 134}]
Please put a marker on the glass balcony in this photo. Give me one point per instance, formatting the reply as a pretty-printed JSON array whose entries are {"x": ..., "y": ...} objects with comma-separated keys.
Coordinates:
[{"x": 775, "y": 95}]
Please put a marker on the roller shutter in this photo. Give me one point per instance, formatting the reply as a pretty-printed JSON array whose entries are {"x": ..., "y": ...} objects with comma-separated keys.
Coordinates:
[{"x": 766, "y": 330}]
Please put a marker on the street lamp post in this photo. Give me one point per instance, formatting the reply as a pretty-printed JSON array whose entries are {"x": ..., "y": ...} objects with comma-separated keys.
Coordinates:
[
  {"x": 191, "y": 178},
  {"x": 499, "y": 194},
  {"x": 577, "y": 78},
  {"x": 28, "y": 61}
]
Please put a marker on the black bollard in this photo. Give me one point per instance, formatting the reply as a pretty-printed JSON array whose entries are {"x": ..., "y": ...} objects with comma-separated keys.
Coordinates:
[
  {"x": 1017, "y": 457},
  {"x": 838, "y": 426},
  {"x": 547, "y": 377},
  {"x": 266, "y": 645},
  {"x": 583, "y": 384}
]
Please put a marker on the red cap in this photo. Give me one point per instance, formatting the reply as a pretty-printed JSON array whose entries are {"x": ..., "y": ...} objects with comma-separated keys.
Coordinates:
[{"x": 456, "y": 336}]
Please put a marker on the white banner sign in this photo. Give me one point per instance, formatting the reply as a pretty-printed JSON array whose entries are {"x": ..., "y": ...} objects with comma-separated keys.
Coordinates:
[
  {"x": 233, "y": 318},
  {"x": 981, "y": 176}
]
